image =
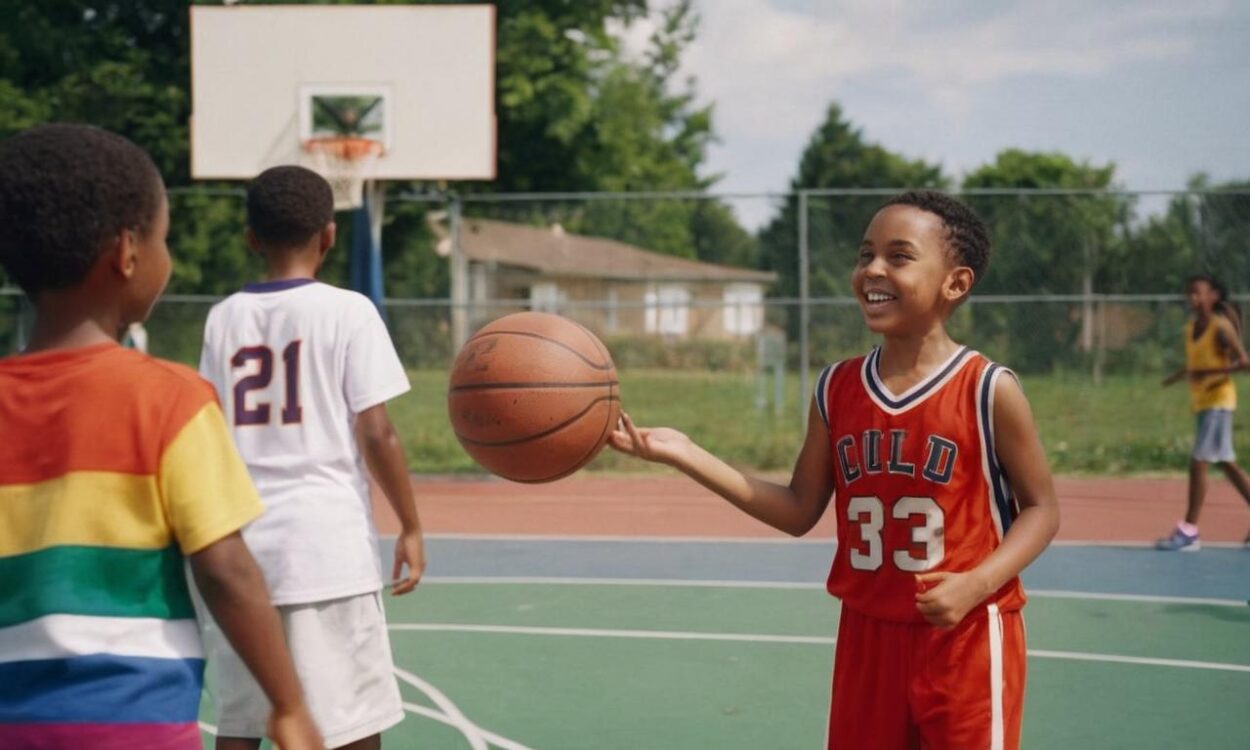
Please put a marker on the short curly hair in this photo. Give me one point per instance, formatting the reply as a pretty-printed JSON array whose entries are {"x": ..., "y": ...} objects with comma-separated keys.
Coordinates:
[
  {"x": 966, "y": 233},
  {"x": 287, "y": 206},
  {"x": 65, "y": 190}
]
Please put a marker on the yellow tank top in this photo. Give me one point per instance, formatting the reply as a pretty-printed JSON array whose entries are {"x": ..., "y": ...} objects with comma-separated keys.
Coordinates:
[{"x": 1211, "y": 391}]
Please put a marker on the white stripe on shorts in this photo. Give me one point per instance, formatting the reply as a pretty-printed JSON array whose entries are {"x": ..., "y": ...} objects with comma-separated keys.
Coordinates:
[{"x": 996, "y": 678}]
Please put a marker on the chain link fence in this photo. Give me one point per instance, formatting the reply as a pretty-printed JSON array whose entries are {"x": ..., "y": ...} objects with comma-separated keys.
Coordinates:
[{"x": 1084, "y": 289}]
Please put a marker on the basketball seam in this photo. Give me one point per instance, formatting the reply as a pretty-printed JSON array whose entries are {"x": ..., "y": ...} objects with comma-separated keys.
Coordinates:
[
  {"x": 535, "y": 384},
  {"x": 586, "y": 457},
  {"x": 557, "y": 342},
  {"x": 544, "y": 433}
]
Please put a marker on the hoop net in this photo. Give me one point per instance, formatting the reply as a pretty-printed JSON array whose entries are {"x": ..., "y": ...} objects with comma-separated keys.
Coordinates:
[{"x": 346, "y": 162}]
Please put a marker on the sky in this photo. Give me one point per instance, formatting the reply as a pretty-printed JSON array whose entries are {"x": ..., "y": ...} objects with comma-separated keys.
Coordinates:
[{"x": 1159, "y": 87}]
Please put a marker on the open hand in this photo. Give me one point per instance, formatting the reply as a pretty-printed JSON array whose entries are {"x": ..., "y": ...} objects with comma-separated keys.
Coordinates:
[
  {"x": 944, "y": 598},
  {"x": 410, "y": 551},
  {"x": 659, "y": 444}
]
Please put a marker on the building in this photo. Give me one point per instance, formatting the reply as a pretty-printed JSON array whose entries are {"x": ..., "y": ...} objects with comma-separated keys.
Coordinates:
[{"x": 612, "y": 287}]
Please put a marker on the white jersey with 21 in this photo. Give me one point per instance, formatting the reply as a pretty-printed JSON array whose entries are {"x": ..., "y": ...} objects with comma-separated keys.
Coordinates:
[{"x": 294, "y": 362}]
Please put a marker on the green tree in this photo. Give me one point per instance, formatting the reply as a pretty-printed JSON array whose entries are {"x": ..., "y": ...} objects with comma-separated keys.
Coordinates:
[
  {"x": 838, "y": 155},
  {"x": 1044, "y": 244}
]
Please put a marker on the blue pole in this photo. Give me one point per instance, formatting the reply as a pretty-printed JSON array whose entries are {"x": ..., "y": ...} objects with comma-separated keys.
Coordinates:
[{"x": 365, "y": 259}]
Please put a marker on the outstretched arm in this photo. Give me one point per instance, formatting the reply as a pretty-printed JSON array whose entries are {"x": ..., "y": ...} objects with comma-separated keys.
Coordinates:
[
  {"x": 950, "y": 596},
  {"x": 384, "y": 454},
  {"x": 794, "y": 508},
  {"x": 234, "y": 590}
]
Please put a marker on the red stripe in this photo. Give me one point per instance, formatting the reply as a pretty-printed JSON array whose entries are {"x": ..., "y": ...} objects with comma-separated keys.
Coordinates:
[
  {"x": 99, "y": 408},
  {"x": 185, "y": 736}
]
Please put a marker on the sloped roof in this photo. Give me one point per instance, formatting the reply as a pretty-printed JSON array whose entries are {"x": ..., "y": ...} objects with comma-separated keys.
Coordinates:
[{"x": 556, "y": 252}]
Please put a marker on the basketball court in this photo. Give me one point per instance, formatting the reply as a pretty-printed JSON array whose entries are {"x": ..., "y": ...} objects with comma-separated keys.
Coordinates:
[{"x": 643, "y": 612}]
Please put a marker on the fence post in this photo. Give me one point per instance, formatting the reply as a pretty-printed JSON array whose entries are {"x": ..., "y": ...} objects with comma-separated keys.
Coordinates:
[
  {"x": 459, "y": 273},
  {"x": 805, "y": 313}
]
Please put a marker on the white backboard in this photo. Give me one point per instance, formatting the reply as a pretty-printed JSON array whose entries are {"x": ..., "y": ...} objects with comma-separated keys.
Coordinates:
[{"x": 426, "y": 73}]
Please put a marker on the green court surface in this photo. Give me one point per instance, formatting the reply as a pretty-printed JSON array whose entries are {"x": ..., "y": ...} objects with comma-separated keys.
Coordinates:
[{"x": 490, "y": 655}]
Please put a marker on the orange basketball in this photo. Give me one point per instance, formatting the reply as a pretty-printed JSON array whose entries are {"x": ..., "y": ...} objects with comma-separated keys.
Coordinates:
[{"x": 533, "y": 397}]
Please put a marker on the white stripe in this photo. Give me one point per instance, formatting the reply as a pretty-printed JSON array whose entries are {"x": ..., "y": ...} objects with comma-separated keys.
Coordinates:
[
  {"x": 66, "y": 636},
  {"x": 617, "y": 538},
  {"x": 796, "y": 585},
  {"x": 987, "y": 445},
  {"x": 1142, "y": 660},
  {"x": 626, "y": 539},
  {"x": 810, "y": 640},
  {"x": 452, "y": 716},
  {"x": 996, "y": 678},
  {"x": 871, "y": 365},
  {"x": 663, "y": 635}
]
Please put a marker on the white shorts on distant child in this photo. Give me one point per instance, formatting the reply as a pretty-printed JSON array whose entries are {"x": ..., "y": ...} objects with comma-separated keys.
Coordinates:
[
  {"x": 1213, "y": 442},
  {"x": 342, "y": 653}
]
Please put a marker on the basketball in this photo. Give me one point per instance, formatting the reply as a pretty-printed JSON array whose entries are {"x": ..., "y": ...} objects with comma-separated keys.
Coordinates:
[{"x": 533, "y": 397}]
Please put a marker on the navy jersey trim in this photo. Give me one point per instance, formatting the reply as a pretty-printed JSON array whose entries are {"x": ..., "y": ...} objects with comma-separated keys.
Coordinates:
[
  {"x": 915, "y": 394},
  {"x": 260, "y": 287},
  {"x": 1003, "y": 500},
  {"x": 821, "y": 393}
]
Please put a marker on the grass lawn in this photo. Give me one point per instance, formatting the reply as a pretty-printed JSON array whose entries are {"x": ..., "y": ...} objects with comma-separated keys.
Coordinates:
[{"x": 1128, "y": 424}]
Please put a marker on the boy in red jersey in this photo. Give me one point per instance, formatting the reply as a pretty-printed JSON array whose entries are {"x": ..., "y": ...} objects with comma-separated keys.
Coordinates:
[
  {"x": 116, "y": 467},
  {"x": 941, "y": 490}
]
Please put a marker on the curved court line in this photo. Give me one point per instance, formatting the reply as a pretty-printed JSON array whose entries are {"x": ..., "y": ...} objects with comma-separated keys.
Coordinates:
[
  {"x": 799, "y": 639},
  {"x": 454, "y": 716},
  {"x": 795, "y": 585},
  {"x": 498, "y": 741}
]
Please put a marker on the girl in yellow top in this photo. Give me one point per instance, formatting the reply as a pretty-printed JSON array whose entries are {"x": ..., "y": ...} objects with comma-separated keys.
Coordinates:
[{"x": 1213, "y": 351}]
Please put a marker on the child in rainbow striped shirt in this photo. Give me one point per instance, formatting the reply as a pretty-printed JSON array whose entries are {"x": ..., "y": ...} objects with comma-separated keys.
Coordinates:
[{"x": 116, "y": 467}]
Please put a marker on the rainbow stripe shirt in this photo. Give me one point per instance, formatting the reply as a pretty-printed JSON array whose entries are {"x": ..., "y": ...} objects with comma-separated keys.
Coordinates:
[{"x": 114, "y": 466}]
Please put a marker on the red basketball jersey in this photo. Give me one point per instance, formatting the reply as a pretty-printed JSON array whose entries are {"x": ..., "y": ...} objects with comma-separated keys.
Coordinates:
[{"x": 918, "y": 484}]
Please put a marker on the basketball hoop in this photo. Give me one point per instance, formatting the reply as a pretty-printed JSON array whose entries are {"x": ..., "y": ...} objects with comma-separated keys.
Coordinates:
[{"x": 346, "y": 161}]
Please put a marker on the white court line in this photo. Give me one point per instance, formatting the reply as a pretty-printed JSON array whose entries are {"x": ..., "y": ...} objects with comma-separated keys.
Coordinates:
[
  {"x": 816, "y": 640},
  {"x": 829, "y": 541},
  {"x": 210, "y": 728},
  {"x": 491, "y": 737},
  {"x": 671, "y": 635},
  {"x": 625, "y": 539},
  {"x": 795, "y": 585}
]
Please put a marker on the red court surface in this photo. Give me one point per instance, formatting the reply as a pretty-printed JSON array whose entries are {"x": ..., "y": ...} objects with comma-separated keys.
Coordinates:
[{"x": 1108, "y": 510}]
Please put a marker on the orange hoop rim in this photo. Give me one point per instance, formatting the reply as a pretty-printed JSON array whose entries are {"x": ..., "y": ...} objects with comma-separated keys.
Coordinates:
[{"x": 344, "y": 147}]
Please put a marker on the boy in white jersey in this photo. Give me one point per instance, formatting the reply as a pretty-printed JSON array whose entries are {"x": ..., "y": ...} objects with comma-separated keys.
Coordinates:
[{"x": 303, "y": 370}]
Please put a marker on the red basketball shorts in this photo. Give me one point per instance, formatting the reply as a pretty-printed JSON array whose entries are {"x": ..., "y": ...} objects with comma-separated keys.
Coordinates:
[{"x": 903, "y": 686}]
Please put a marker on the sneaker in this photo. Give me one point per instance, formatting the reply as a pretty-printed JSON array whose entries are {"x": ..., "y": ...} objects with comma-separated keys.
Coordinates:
[{"x": 1179, "y": 541}]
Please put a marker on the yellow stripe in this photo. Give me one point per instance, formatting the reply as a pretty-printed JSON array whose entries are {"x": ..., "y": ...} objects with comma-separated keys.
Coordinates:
[
  {"x": 208, "y": 493},
  {"x": 82, "y": 508}
]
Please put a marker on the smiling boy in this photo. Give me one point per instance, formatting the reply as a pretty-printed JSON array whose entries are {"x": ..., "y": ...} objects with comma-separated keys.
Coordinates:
[{"x": 941, "y": 490}]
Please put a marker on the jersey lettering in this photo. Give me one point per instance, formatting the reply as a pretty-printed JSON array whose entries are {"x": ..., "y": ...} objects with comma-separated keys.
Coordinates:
[
  {"x": 939, "y": 458},
  {"x": 259, "y": 414}
]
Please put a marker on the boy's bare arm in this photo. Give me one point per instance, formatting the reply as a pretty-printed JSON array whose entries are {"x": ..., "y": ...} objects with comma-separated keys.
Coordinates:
[
  {"x": 1231, "y": 343},
  {"x": 949, "y": 596},
  {"x": 384, "y": 453},
  {"x": 234, "y": 590},
  {"x": 793, "y": 508}
]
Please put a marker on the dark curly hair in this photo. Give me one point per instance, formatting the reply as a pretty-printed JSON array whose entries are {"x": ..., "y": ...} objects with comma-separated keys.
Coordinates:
[
  {"x": 1224, "y": 306},
  {"x": 287, "y": 205},
  {"x": 65, "y": 190},
  {"x": 966, "y": 233}
]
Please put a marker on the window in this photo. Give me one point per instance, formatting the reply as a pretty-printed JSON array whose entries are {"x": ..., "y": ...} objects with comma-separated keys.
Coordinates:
[
  {"x": 744, "y": 309},
  {"x": 545, "y": 297},
  {"x": 667, "y": 309}
]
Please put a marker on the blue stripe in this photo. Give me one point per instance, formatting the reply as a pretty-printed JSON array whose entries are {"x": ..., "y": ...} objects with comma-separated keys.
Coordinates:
[
  {"x": 101, "y": 688},
  {"x": 997, "y": 482},
  {"x": 821, "y": 383},
  {"x": 874, "y": 375}
]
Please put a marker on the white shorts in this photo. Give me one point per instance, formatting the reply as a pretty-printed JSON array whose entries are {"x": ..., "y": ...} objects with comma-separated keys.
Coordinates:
[{"x": 342, "y": 654}]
